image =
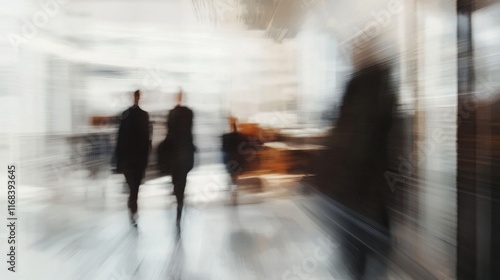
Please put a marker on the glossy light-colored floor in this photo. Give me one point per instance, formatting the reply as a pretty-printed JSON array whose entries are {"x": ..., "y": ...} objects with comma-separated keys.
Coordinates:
[
  {"x": 80, "y": 230},
  {"x": 254, "y": 241}
]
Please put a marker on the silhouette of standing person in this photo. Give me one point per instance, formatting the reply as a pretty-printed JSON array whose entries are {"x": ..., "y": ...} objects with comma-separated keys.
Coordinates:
[
  {"x": 355, "y": 161},
  {"x": 181, "y": 149},
  {"x": 233, "y": 159},
  {"x": 132, "y": 150}
]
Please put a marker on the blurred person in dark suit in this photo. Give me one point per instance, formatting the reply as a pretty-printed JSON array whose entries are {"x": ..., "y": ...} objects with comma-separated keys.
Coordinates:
[
  {"x": 351, "y": 171},
  {"x": 132, "y": 150},
  {"x": 180, "y": 149},
  {"x": 233, "y": 159}
]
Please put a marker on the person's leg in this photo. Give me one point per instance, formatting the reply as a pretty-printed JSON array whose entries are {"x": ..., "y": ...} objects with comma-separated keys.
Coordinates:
[
  {"x": 360, "y": 261},
  {"x": 184, "y": 164},
  {"x": 234, "y": 188},
  {"x": 134, "y": 178},
  {"x": 130, "y": 178},
  {"x": 179, "y": 181}
]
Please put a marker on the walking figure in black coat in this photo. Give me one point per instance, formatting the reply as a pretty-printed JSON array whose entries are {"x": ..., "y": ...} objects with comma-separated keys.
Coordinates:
[
  {"x": 132, "y": 150},
  {"x": 180, "y": 149}
]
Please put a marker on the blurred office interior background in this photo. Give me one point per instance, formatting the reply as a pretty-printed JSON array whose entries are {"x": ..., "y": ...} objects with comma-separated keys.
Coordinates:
[{"x": 68, "y": 70}]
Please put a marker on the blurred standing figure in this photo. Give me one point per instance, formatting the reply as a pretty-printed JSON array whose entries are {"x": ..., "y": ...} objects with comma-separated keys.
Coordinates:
[
  {"x": 353, "y": 167},
  {"x": 230, "y": 143},
  {"x": 232, "y": 157},
  {"x": 180, "y": 149},
  {"x": 132, "y": 150}
]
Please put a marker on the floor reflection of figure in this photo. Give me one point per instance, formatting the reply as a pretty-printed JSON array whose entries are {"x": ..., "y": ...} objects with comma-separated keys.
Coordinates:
[
  {"x": 175, "y": 267},
  {"x": 245, "y": 247},
  {"x": 131, "y": 264}
]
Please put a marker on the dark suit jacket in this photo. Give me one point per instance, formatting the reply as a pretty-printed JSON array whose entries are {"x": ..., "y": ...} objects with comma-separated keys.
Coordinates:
[
  {"x": 352, "y": 168},
  {"x": 133, "y": 144},
  {"x": 233, "y": 159},
  {"x": 180, "y": 132}
]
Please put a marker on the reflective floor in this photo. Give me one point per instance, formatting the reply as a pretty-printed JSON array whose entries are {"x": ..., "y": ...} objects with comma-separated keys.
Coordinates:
[{"x": 85, "y": 234}]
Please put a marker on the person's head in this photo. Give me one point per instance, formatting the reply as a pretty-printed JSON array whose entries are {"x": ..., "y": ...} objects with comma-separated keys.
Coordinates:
[
  {"x": 179, "y": 97},
  {"x": 372, "y": 50},
  {"x": 137, "y": 96},
  {"x": 233, "y": 124}
]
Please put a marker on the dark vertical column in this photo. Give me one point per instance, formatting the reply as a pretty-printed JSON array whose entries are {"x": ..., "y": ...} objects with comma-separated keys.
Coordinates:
[
  {"x": 466, "y": 148},
  {"x": 495, "y": 192}
]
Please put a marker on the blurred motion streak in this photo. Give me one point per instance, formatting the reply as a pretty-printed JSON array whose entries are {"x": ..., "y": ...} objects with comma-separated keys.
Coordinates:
[{"x": 298, "y": 139}]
